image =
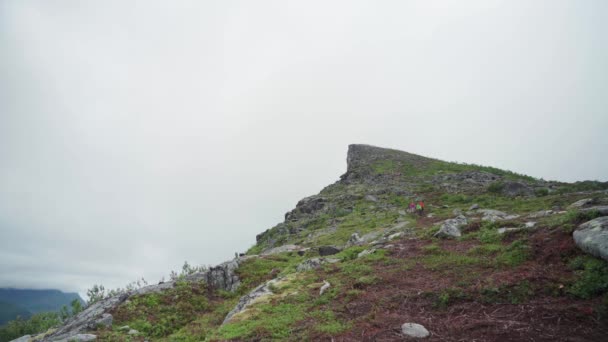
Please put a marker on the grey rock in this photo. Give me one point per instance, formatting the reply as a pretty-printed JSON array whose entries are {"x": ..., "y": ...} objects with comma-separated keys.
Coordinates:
[
  {"x": 508, "y": 230},
  {"x": 414, "y": 330},
  {"x": 86, "y": 320},
  {"x": 457, "y": 212},
  {"x": 105, "y": 320},
  {"x": 354, "y": 240},
  {"x": 517, "y": 189},
  {"x": 592, "y": 237},
  {"x": 246, "y": 300},
  {"x": 314, "y": 263},
  {"x": 581, "y": 203},
  {"x": 371, "y": 198},
  {"x": 324, "y": 288},
  {"x": 530, "y": 224},
  {"x": 495, "y": 215},
  {"x": 133, "y": 332},
  {"x": 281, "y": 249},
  {"x": 124, "y": 328},
  {"x": 25, "y": 338},
  {"x": 328, "y": 250},
  {"x": 474, "y": 207},
  {"x": 394, "y": 236},
  {"x": 542, "y": 213},
  {"x": 78, "y": 338},
  {"x": 431, "y": 215},
  {"x": 366, "y": 252},
  {"x": 402, "y": 212},
  {"x": 451, "y": 228},
  {"x": 602, "y": 210}
]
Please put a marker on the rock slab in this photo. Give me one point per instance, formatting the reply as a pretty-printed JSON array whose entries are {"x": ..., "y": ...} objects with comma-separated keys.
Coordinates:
[
  {"x": 592, "y": 237},
  {"x": 451, "y": 228}
]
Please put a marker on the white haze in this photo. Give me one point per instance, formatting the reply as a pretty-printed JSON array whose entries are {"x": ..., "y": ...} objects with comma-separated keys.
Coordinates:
[{"x": 135, "y": 135}]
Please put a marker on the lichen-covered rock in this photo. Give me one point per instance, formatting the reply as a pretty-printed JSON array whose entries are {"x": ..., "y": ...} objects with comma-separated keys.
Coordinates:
[
  {"x": 366, "y": 252},
  {"x": 451, "y": 228},
  {"x": 25, "y": 338},
  {"x": 592, "y": 237}
]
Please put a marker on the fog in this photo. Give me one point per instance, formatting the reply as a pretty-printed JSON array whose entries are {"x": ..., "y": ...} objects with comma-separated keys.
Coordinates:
[{"x": 136, "y": 135}]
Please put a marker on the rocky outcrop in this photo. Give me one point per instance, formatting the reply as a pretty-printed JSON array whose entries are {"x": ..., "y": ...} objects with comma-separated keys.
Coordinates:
[
  {"x": 87, "y": 320},
  {"x": 602, "y": 210},
  {"x": 248, "y": 299},
  {"x": 451, "y": 228},
  {"x": 222, "y": 276},
  {"x": 592, "y": 237},
  {"x": 308, "y": 205},
  {"x": 25, "y": 338}
]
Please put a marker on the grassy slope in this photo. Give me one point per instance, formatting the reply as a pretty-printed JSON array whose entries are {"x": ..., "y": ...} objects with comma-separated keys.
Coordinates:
[{"x": 531, "y": 284}]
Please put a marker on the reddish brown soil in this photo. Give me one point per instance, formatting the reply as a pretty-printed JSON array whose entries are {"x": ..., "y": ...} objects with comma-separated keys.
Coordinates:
[{"x": 402, "y": 296}]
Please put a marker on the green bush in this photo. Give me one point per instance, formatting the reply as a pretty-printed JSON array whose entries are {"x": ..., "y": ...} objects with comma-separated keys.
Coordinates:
[
  {"x": 38, "y": 323},
  {"x": 592, "y": 277},
  {"x": 496, "y": 187}
]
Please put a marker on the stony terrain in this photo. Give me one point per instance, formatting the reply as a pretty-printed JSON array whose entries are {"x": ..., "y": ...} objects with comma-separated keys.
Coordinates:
[{"x": 496, "y": 256}]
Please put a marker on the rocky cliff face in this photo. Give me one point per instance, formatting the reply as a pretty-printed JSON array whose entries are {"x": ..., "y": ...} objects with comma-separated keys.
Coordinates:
[{"x": 492, "y": 257}]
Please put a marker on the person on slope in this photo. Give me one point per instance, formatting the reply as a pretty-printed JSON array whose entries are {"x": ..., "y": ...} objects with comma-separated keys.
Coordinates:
[
  {"x": 412, "y": 207},
  {"x": 419, "y": 208},
  {"x": 421, "y": 211}
]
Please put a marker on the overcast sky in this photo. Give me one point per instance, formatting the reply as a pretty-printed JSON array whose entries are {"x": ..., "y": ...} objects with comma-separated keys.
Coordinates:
[{"x": 135, "y": 135}]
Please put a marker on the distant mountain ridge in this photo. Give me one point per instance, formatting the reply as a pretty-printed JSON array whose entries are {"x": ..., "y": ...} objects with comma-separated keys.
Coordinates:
[{"x": 25, "y": 302}]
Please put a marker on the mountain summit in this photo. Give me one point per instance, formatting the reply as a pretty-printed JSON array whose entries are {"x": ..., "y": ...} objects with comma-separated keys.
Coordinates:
[{"x": 488, "y": 255}]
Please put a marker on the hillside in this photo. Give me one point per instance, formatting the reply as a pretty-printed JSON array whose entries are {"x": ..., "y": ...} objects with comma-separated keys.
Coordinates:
[
  {"x": 9, "y": 311},
  {"x": 36, "y": 301},
  {"x": 495, "y": 256}
]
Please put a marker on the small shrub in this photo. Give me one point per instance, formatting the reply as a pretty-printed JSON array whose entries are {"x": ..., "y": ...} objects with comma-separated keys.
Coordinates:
[
  {"x": 496, "y": 187},
  {"x": 592, "y": 278},
  {"x": 541, "y": 192}
]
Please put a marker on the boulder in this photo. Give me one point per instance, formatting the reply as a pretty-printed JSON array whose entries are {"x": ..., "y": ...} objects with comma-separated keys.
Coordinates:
[
  {"x": 328, "y": 250},
  {"x": 414, "y": 330},
  {"x": 451, "y": 228},
  {"x": 133, "y": 332},
  {"x": 25, "y": 338},
  {"x": 581, "y": 203},
  {"x": 516, "y": 189},
  {"x": 314, "y": 263},
  {"x": 508, "y": 230},
  {"x": 592, "y": 237},
  {"x": 474, "y": 207},
  {"x": 602, "y": 210},
  {"x": 457, "y": 212}
]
